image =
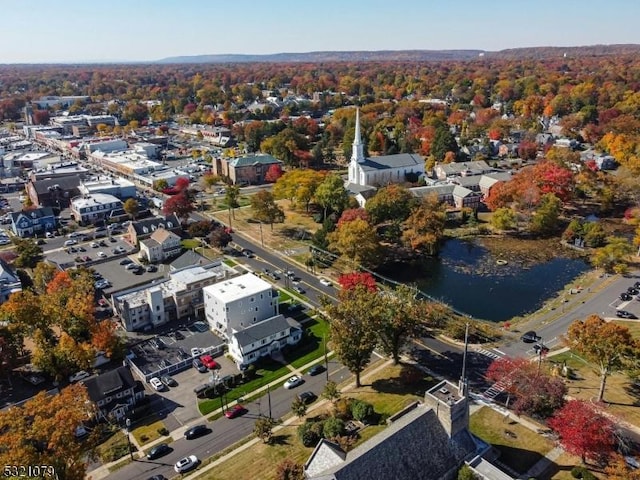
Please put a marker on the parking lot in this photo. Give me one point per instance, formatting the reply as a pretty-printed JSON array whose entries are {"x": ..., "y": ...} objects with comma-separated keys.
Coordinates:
[{"x": 166, "y": 351}]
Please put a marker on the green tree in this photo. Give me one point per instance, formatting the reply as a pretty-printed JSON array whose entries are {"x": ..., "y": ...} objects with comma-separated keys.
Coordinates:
[
  {"x": 612, "y": 257},
  {"x": 333, "y": 427},
  {"x": 390, "y": 204},
  {"x": 131, "y": 207},
  {"x": 331, "y": 194},
  {"x": 352, "y": 330},
  {"x": 299, "y": 408},
  {"x": 299, "y": 186},
  {"x": 465, "y": 473},
  {"x": 263, "y": 428},
  {"x": 607, "y": 345},
  {"x": 504, "y": 218},
  {"x": 443, "y": 142},
  {"x": 29, "y": 252},
  {"x": 42, "y": 275},
  {"x": 546, "y": 216},
  {"x": 424, "y": 229},
  {"x": 357, "y": 241},
  {"x": 331, "y": 392},
  {"x": 265, "y": 209},
  {"x": 160, "y": 185},
  {"x": 231, "y": 196}
]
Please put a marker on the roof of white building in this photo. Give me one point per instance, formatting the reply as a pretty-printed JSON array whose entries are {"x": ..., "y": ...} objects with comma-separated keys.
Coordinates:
[
  {"x": 94, "y": 199},
  {"x": 238, "y": 288}
]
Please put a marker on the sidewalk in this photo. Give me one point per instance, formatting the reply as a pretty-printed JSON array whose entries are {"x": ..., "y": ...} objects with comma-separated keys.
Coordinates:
[{"x": 103, "y": 470}]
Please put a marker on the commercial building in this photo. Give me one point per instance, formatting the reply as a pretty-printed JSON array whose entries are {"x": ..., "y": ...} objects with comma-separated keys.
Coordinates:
[{"x": 89, "y": 209}]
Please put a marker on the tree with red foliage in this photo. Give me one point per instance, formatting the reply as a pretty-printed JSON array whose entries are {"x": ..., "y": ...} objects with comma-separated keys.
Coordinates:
[
  {"x": 535, "y": 393},
  {"x": 500, "y": 195},
  {"x": 554, "y": 178},
  {"x": 350, "y": 280},
  {"x": 353, "y": 214},
  {"x": 584, "y": 430},
  {"x": 274, "y": 172},
  {"x": 527, "y": 150},
  {"x": 182, "y": 183},
  {"x": 41, "y": 117},
  {"x": 179, "y": 204}
]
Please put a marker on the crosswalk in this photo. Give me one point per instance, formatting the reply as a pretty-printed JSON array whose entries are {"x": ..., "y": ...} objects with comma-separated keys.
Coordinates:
[
  {"x": 488, "y": 353},
  {"x": 494, "y": 390}
]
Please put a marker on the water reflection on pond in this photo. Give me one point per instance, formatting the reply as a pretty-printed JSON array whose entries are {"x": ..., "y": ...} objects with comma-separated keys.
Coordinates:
[{"x": 469, "y": 278}]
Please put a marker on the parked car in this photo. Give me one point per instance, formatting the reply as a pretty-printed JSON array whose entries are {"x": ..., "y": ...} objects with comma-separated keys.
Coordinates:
[
  {"x": 293, "y": 382},
  {"x": 316, "y": 370},
  {"x": 169, "y": 381},
  {"x": 307, "y": 397},
  {"x": 198, "y": 365},
  {"x": 94, "y": 245},
  {"x": 209, "y": 362},
  {"x": 325, "y": 282},
  {"x": 81, "y": 375},
  {"x": 157, "y": 384},
  {"x": 195, "y": 432},
  {"x": 625, "y": 314},
  {"x": 299, "y": 289},
  {"x": 126, "y": 261},
  {"x": 68, "y": 243},
  {"x": 158, "y": 451},
  {"x": 101, "y": 254},
  {"x": 129, "y": 265},
  {"x": 540, "y": 348},
  {"x": 530, "y": 337},
  {"x": 235, "y": 411},
  {"x": 152, "y": 268},
  {"x": 49, "y": 234},
  {"x": 185, "y": 464},
  {"x": 625, "y": 296},
  {"x": 248, "y": 253},
  {"x": 632, "y": 291}
]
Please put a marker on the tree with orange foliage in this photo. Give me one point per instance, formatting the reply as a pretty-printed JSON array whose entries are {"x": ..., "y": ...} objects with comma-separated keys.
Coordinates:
[{"x": 41, "y": 432}]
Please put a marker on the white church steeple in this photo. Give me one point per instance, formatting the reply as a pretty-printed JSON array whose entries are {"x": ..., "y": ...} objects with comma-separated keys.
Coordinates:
[{"x": 357, "y": 149}]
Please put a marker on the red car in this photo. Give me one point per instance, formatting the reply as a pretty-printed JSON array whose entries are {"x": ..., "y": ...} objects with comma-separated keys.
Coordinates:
[
  {"x": 209, "y": 362},
  {"x": 235, "y": 411}
]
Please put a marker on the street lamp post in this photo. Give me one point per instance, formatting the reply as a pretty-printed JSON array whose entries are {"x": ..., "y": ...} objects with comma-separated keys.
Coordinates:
[{"x": 127, "y": 428}]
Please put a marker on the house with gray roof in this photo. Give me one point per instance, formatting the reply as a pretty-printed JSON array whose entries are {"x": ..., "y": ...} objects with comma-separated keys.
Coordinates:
[
  {"x": 488, "y": 181},
  {"x": 54, "y": 192},
  {"x": 443, "y": 171},
  {"x": 37, "y": 221},
  {"x": 114, "y": 393},
  {"x": 263, "y": 338},
  {"x": 189, "y": 258},
  {"x": 142, "y": 229},
  {"x": 429, "y": 442},
  {"x": 9, "y": 282}
]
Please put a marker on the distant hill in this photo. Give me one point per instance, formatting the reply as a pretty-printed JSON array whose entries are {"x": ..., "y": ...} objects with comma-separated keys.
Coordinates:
[{"x": 410, "y": 55}]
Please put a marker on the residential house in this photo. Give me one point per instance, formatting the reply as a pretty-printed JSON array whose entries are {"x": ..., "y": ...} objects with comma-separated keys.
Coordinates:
[
  {"x": 429, "y": 442},
  {"x": 189, "y": 258},
  {"x": 94, "y": 208},
  {"x": 9, "y": 282},
  {"x": 179, "y": 296},
  {"x": 160, "y": 246},
  {"x": 369, "y": 173},
  {"x": 488, "y": 181},
  {"x": 54, "y": 192},
  {"x": 238, "y": 303},
  {"x": 114, "y": 393},
  {"x": 442, "y": 171},
  {"x": 142, "y": 229},
  {"x": 27, "y": 223},
  {"x": 262, "y": 339},
  {"x": 246, "y": 170}
]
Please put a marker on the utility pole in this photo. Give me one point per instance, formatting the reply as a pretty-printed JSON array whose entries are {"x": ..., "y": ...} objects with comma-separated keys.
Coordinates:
[
  {"x": 126, "y": 429},
  {"x": 462, "y": 386},
  {"x": 269, "y": 398},
  {"x": 326, "y": 360}
]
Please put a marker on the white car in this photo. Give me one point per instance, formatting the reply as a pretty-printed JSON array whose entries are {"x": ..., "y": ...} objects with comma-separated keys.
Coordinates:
[
  {"x": 293, "y": 382},
  {"x": 76, "y": 377},
  {"x": 94, "y": 245},
  {"x": 185, "y": 464},
  {"x": 68, "y": 243},
  {"x": 49, "y": 234},
  {"x": 102, "y": 255},
  {"x": 325, "y": 282},
  {"x": 157, "y": 384},
  {"x": 4, "y": 241}
]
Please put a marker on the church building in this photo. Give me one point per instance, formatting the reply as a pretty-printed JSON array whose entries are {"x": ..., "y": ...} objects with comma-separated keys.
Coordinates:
[{"x": 367, "y": 174}]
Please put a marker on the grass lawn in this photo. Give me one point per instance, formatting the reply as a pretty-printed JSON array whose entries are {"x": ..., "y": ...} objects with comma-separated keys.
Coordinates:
[
  {"x": 312, "y": 345},
  {"x": 621, "y": 396},
  {"x": 632, "y": 325},
  {"x": 114, "y": 447},
  {"x": 190, "y": 243},
  {"x": 563, "y": 465},
  {"x": 267, "y": 371},
  {"x": 519, "y": 447},
  {"x": 148, "y": 432},
  {"x": 383, "y": 390}
]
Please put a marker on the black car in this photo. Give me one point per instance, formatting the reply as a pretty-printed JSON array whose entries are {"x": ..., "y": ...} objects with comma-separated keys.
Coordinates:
[
  {"x": 307, "y": 397},
  {"x": 530, "y": 337},
  {"x": 625, "y": 314},
  {"x": 316, "y": 370},
  {"x": 195, "y": 432},
  {"x": 126, "y": 261},
  {"x": 177, "y": 335},
  {"x": 625, "y": 296},
  {"x": 247, "y": 253},
  {"x": 299, "y": 289},
  {"x": 157, "y": 477},
  {"x": 632, "y": 291},
  {"x": 158, "y": 451},
  {"x": 152, "y": 268},
  {"x": 198, "y": 365}
]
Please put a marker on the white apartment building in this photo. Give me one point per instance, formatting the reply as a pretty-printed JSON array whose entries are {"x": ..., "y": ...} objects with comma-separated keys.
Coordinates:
[
  {"x": 88, "y": 209},
  {"x": 238, "y": 303}
]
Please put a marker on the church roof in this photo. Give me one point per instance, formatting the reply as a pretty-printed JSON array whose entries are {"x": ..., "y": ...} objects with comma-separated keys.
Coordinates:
[
  {"x": 383, "y": 162},
  {"x": 415, "y": 446}
]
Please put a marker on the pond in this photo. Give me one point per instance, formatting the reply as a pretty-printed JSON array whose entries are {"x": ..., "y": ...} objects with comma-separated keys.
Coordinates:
[{"x": 471, "y": 279}]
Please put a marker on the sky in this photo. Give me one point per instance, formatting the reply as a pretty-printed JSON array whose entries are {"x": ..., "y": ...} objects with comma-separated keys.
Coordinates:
[{"x": 77, "y": 31}]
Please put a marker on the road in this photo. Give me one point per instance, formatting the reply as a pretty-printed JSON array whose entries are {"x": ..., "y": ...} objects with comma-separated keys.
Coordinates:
[{"x": 226, "y": 432}]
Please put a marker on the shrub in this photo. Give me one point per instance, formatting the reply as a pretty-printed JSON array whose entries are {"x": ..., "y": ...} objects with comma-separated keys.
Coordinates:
[
  {"x": 361, "y": 410},
  {"x": 308, "y": 435},
  {"x": 290, "y": 470},
  {"x": 343, "y": 408},
  {"x": 144, "y": 438},
  {"x": 163, "y": 431},
  {"x": 582, "y": 472},
  {"x": 333, "y": 427}
]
